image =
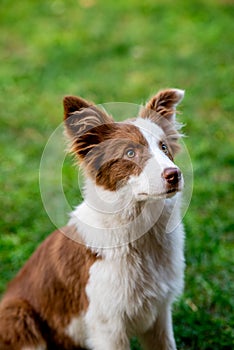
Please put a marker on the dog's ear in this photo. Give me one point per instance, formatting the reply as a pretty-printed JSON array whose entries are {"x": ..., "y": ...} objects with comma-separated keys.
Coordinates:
[
  {"x": 163, "y": 104},
  {"x": 72, "y": 104},
  {"x": 85, "y": 124},
  {"x": 81, "y": 116},
  {"x": 161, "y": 109}
]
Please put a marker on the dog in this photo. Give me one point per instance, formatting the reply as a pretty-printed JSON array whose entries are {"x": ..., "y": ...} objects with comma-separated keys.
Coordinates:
[{"x": 114, "y": 271}]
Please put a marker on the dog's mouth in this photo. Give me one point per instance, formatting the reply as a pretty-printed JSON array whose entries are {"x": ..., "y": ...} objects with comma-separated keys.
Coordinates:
[
  {"x": 167, "y": 194},
  {"x": 172, "y": 191}
]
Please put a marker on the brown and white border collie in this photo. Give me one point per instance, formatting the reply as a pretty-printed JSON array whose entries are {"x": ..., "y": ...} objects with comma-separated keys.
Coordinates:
[{"x": 114, "y": 271}]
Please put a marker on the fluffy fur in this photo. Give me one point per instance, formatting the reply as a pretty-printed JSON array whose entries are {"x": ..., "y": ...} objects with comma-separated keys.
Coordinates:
[{"x": 114, "y": 271}]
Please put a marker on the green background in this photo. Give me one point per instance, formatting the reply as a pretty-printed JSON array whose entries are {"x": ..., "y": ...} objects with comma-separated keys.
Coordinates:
[{"x": 125, "y": 51}]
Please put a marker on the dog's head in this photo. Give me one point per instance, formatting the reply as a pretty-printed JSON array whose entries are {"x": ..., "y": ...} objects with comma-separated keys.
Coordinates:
[{"x": 136, "y": 154}]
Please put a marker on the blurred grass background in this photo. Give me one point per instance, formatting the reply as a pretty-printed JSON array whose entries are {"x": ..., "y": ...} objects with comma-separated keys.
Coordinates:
[{"x": 125, "y": 51}]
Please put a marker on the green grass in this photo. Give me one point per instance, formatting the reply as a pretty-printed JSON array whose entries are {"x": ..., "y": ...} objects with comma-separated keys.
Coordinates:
[{"x": 125, "y": 51}]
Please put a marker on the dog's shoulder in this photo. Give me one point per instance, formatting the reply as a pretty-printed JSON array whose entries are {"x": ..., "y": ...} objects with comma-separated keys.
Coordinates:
[{"x": 60, "y": 262}]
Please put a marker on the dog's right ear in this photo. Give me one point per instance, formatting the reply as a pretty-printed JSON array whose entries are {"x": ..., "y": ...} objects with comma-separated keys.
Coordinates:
[{"x": 85, "y": 124}]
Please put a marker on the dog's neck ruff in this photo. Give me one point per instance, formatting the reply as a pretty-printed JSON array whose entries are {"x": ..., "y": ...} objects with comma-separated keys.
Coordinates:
[{"x": 115, "y": 224}]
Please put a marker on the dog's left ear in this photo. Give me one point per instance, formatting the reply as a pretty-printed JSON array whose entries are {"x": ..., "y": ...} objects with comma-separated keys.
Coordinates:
[
  {"x": 161, "y": 109},
  {"x": 164, "y": 104}
]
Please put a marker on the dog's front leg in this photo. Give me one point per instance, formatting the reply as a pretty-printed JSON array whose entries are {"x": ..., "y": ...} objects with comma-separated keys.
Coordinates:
[
  {"x": 106, "y": 336},
  {"x": 160, "y": 336},
  {"x": 104, "y": 341},
  {"x": 106, "y": 344}
]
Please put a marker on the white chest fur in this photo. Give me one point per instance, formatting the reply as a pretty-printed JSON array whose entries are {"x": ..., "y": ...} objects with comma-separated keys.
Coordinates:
[
  {"x": 126, "y": 291},
  {"x": 129, "y": 285}
]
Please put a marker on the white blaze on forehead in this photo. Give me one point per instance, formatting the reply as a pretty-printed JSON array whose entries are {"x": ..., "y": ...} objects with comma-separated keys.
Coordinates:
[
  {"x": 154, "y": 134},
  {"x": 148, "y": 126},
  {"x": 151, "y": 131}
]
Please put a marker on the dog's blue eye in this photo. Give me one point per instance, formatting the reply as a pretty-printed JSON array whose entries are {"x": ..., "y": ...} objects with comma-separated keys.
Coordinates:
[
  {"x": 164, "y": 148},
  {"x": 130, "y": 153}
]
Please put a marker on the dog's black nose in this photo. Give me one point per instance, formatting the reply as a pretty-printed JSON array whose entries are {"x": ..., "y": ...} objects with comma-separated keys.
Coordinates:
[{"x": 172, "y": 175}]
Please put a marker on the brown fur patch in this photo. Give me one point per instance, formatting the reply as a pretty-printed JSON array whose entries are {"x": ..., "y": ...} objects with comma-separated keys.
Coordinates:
[
  {"x": 107, "y": 161},
  {"x": 46, "y": 294},
  {"x": 20, "y": 325}
]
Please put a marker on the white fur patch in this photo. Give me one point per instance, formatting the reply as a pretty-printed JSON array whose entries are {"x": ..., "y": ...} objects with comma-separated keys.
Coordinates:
[
  {"x": 126, "y": 291},
  {"x": 76, "y": 330}
]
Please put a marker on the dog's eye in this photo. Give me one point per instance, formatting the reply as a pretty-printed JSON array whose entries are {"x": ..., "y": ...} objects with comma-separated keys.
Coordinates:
[
  {"x": 130, "y": 153},
  {"x": 164, "y": 148}
]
